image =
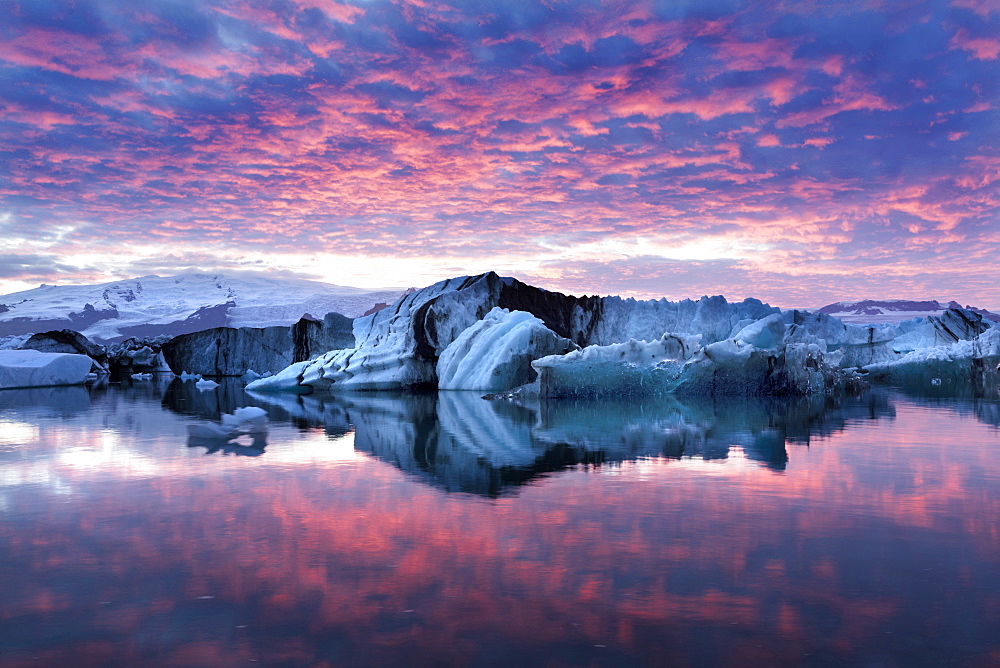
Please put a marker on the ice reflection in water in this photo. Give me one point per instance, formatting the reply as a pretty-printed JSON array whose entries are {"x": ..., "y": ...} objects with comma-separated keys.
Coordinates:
[
  {"x": 463, "y": 443},
  {"x": 585, "y": 533}
]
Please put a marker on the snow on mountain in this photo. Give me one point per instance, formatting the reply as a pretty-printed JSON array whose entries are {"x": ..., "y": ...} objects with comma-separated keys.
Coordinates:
[
  {"x": 894, "y": 311},
  {"x": 172, "y": 305}
]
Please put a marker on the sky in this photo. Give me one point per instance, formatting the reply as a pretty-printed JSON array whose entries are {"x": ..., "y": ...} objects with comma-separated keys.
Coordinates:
[{"x": 799, "y": 152}]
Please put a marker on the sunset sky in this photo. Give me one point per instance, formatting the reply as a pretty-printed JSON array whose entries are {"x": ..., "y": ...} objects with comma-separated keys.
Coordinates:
[{"x": 798, "y": 152}]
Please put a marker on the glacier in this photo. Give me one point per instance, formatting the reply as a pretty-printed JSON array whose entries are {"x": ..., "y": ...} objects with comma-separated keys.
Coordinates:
[{"x": 32, "y": 368}]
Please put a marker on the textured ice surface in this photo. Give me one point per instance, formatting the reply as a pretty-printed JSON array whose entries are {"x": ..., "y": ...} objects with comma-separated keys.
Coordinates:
[
  {"x": 964, "y": 364},
  {"x": 30, "y": 368},
  {"x": 632, "y": 368},
  {"x": 495, "y": 353},
  {"x": 677, "y": 366},
  {"x": 476, "y": 333},
  {"x": 399, "y": 346}
]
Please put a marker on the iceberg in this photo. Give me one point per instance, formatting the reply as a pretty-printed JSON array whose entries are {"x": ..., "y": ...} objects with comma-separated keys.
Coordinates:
[
  {"x": 631, "y": 368},
  {"x": 492, "y": 334},
  {"x": 754, "y": 362},
  {"x": 31, "y": 368},
  {"x": 495, "y": 353},
  {"x": 966, "y": 364},
  {"x": 400, "y": 346}
]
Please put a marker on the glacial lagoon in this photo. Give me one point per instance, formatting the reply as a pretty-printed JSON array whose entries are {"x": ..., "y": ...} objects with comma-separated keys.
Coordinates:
[{"x": 442, "y": 529}]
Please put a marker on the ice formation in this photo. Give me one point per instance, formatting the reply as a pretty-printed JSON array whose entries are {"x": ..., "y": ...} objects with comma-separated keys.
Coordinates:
[
  {"x": 31, "y": 368},
  {"x": 225, "y": 351},
  {"x": 399, "y": 347},
  {"x": 495, "y": 353},
  {"x": 965, "y": 364},
  {"x": 755, "y": 360},
  {"x": 488, "y": 333}
]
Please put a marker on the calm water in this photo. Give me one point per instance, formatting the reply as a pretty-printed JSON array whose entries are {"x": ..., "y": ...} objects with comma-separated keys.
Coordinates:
[{"x": 444, "y": 529}]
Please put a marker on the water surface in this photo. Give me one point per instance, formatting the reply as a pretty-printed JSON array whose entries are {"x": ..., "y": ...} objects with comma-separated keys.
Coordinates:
[{"x": 444, "y": 529}]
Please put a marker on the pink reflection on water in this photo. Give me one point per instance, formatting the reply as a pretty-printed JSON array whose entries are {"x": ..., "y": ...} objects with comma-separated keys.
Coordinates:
[{"x": 873, "y": 537}]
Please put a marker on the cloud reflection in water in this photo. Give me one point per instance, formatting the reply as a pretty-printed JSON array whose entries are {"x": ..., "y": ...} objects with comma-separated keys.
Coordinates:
[{"x": 667, "y": 532}]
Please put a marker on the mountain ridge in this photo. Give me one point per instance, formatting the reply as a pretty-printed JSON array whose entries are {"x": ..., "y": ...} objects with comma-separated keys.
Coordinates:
[
  {"x": 171, "y": 305},
  {"x": 894, "y": 310}
]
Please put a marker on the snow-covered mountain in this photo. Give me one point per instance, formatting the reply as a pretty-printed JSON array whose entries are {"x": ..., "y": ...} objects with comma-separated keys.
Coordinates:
[
  {"x": 894, "y": 311},
  {"x": 172, "y": 305}
]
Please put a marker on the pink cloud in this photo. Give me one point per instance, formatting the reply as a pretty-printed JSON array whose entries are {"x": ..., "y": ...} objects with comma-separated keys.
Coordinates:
[
  {"x": 850, "y": 94},
  {"x": 818, "y": 142},
  {"x": 981, "y": 48},
  {"x": 759, "y": 54},
  {"x": 982, "y": 7},
  {"x": 402, "y": 144},
  {"x": 41, "y": 119},
  {"x": 56, "y": 51}
]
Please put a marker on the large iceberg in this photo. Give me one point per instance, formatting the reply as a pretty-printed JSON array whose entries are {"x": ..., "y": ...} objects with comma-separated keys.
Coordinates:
[
  {"x": 399, "y": 347},
  {"x": 31, "y": 368},
  {"x": 491, "y": 334}
]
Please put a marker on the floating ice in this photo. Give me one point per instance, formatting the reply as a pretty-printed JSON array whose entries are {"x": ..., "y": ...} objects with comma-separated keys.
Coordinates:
[
  {"x": 30, "y": 368},
  {"x": 495, "y": 353},
  {"x": 482, "y": 332},
  {"x": 400, "y": 346},
  {"x": 204, "y": 385},
  {"x": 964, "y": 364},
  {"x": 632, "y": 368},
  {"x": 248, "y": 421}
]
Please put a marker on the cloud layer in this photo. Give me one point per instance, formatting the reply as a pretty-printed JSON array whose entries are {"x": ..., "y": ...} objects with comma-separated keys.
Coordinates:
[{"x": 794, "y": 151}]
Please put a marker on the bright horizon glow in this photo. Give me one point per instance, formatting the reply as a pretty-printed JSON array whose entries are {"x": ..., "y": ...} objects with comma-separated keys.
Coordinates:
[{"x": 797, "y": 153}]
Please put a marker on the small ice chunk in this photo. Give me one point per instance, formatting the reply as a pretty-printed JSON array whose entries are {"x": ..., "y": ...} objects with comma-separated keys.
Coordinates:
[
  {"x": 204, "y": 385},
  {"x": 246, "y": 420}
]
